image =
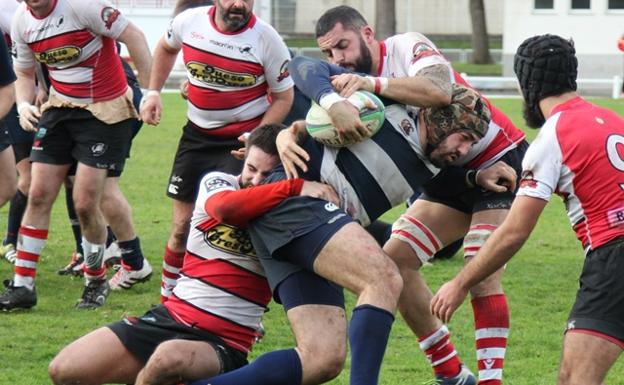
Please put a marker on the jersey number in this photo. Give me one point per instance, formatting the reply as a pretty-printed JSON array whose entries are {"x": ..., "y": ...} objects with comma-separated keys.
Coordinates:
[{"x": 612, "y": 152}]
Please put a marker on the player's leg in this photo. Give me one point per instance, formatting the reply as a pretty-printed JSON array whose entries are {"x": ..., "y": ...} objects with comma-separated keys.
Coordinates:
[
  {"x": 315, "y": 310},
  {"x": 586, "y": 359},
  {"x": 96, "y": 358},
  {"x": 489, "y": 303},
  {"x": 118, "y": 213},
  {"x": 8, "y": 175},
  {"x": 416, "y": 237},
  {"x": 197, "y": 154}
]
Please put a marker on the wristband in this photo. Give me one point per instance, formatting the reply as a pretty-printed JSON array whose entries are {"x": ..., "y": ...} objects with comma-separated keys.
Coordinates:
[
  {"x": 149, "y": 93},
  {"x": 21, "y": 106},
  {"x": 329, "y": 99},
  {"x": 379, "y": 84},
  {"x": 471, "y": 178}
]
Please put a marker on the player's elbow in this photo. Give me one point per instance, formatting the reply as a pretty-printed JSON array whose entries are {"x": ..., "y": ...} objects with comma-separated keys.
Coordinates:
[
  {"x": 225, "y": 213},
  {"x": 439, "y": 98}
]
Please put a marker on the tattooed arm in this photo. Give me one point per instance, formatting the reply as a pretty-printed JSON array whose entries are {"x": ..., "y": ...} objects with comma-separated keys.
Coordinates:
[{"x": 431, "y": 86}]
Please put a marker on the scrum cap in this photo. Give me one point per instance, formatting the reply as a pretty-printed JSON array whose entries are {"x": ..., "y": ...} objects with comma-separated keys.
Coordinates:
[
  {"x": 545, "y": 65},
  {"x": 466, "y": 113}
]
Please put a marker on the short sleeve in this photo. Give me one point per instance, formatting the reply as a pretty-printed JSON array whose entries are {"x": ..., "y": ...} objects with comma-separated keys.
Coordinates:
[
  {"x": 100, "y": 16},
  {"x": 23, "y": 56},
  {"x": 542, "y": 163},
  {"x": 173, "y": 35},
  {"x": 275, "y": 62},
  {"x": 212, "y": 183},
  {"x": 419, "y": 53}
]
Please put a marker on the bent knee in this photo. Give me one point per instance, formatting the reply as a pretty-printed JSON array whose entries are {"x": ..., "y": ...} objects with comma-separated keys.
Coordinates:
[
  {"x": 322, "y": 365},
  {"x": 167, "y": 357},
  {"x": 61, "y": 371}
]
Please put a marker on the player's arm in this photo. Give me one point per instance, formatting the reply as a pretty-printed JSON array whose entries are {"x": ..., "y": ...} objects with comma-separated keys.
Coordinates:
[
  {"x": 279, "y": 108},
  {"x": 313, "y": 78},
  {"x": 500, "y": 247},
  {"x": 164, "y": 59},
  {"x": 24, "y": 96},
  {"x": 7, "y": 80},
  {"x": 135, "y": 41},
  {"x": 430, "y": 87}
]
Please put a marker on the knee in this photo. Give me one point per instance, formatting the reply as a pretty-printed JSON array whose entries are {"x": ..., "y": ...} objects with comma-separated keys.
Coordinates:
[
  {"x": 61, "y": 371},
  {"x": 166, "y": 359},
  {"x": 84, "y": 206},
  {"x": 322, "y": 364},
  {"x": 391, "y": 280}
]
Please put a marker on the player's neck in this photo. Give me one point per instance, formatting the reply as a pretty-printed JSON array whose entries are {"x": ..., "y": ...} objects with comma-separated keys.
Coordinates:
[
  {"x": 42, "y": 10},
  {"x": 547, "y": 105},
  {"x": 375, "y": 58}
]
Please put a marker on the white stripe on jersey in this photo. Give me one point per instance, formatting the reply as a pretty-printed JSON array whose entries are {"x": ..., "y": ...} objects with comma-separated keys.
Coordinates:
[
  {"x": 218, "y": 302},
  {"x": 72, "y": 75},
  {"x": 218, "y": 118}
]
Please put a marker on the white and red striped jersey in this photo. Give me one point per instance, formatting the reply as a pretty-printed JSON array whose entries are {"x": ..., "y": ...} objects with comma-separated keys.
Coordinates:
[
  {"x": 229, "y": 74},
  {"x": 222, "y": 287},
  {"x": 579, "y": 155},
  {"x": 406, "y": 54},
  {"x": 76, "y": 41}
]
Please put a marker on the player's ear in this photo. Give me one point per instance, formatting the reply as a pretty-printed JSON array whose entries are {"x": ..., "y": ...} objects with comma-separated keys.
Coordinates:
[{"x": 368, "y": 34}]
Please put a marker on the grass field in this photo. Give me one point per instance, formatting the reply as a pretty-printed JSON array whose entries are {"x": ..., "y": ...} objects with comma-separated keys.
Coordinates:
[{"x": 540, "y": 283}]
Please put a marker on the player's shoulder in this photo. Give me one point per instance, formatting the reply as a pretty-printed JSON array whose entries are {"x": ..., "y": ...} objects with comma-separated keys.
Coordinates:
[{"x": 215, "y": 180}]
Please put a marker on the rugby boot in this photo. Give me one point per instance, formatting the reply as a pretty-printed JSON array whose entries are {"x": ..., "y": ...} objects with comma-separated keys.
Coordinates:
[
  {"x": 94, "y": 294},
  {"x": 125, "y": 278},
  {"x": 8, "y": 252},
  {"x": 74, "y": 267},
  {"x": 465, "y": 377},
  {"x": 17, "y": 297}
]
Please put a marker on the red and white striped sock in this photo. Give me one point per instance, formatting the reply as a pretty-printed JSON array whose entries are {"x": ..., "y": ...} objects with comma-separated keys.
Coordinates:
[
  {"x": 491, "y": 315},
  {"x": 172, "y": 263},
  {"x": 441, "y": 353},
  {"x": 29, "y": 246}
]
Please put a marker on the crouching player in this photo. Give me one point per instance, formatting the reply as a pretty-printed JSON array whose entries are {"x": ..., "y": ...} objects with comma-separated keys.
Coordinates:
[{"x": 213, "y": 318}]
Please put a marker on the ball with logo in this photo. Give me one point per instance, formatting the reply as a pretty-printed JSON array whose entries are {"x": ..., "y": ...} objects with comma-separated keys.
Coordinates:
[{"x": 320, "y": 127}]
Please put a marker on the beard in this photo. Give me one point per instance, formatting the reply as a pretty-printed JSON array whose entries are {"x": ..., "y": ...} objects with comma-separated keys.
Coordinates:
[
  {"x": 364, "y": 64},
  {"x": 230, "y": 18},
  {"x": 532, "y": 116}
]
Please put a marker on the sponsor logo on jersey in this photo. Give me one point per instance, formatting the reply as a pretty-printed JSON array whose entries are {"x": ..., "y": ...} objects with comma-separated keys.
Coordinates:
[
  {"x": 217, "y": 76},
  {"x": 406, "y": 126},
  {"x": 216, "y": 184},
  {"x": 615, "y": 217},
  {"x": 283, "y": 71},
  {"x": 197, "y": 35},
  {"x": 59, "y": 56},
  {"x": 109, "y": 16},
  {"x": 229, "y": 239},
  {"x": 422, "y": 50},
  {"x": 527, "y": 180},
  {"x": 173, "y": 189},
  {"x": 176, "y": 178},
  {"x": 98, "y": 149},
  {"x": 244, "y": 49},
  {"x": 170, "y": 30}
]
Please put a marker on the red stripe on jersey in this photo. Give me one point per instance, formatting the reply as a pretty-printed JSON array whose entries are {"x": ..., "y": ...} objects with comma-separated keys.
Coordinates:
[
  {"x": 238, "y": 336},
  {"x": 424, "y": 229},
  {"x": 415, "y": 240},
  {"x": 228, "y": 277},
  {"x": 231, "y": 130},
  {"x": 209, "y": 99},
  {"x": 212, "y": 60},
  {"x": 78, "y": 38}
]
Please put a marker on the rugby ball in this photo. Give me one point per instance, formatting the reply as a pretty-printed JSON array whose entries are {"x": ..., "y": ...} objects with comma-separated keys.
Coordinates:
[{"x": 320, "y": 127}]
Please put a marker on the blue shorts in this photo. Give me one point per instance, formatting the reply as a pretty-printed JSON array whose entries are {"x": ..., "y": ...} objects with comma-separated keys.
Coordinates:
[
  {"x": 306, "y": 288},
  {"x": 289, "y": 237}
]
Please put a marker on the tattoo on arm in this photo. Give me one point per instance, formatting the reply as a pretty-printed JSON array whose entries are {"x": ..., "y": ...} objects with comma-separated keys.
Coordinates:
[{"x": 439, "y": 75}]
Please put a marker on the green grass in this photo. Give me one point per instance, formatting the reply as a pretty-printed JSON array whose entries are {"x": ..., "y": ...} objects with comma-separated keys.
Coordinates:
[
  {"x": 540, "y": 282},
  {"x": 494, "y": 69}
]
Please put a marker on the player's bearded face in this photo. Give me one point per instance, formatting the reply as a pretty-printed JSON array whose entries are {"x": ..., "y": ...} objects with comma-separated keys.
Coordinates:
[
  {"x": 258, "y": 165},
  {"x": 235, "y": 14},
  {"x": 532, "y": 116},
  {"x": 364, "y": 63},
  {"x": 451, "y": 148}
]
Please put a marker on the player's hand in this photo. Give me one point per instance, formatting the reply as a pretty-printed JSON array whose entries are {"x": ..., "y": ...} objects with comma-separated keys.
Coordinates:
[
  {"x": 448, "y": 298},
  {"x": 28, "y": 116},
  {"x": 290, "y": 153},
  {"x": 321, "y": 191},
  {"x": 41, "y": 97},
  {"x": 499, "y": 177},
  {"x": 346, "y": 119},
  {"x": 347, "y": 84},
  {"x": 151, "y": 108},
  {"x": 184, "y": 89},
  {"x": 241, "y": 152}
]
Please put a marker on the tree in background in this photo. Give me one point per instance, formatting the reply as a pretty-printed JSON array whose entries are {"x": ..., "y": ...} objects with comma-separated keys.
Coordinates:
[
  {"x": 385, "y": 18},
  {"x": 480, "y": 43}
]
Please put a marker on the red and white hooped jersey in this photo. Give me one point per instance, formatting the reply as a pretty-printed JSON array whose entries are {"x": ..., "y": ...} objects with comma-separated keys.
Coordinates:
[
  {"x": 76, "y": 41},
  {"x": 579, "y": 155},
  {"x": 229, "y": 73},
  {"x": 222, "y": 287},
  {"x": 406, "y": 54}
]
